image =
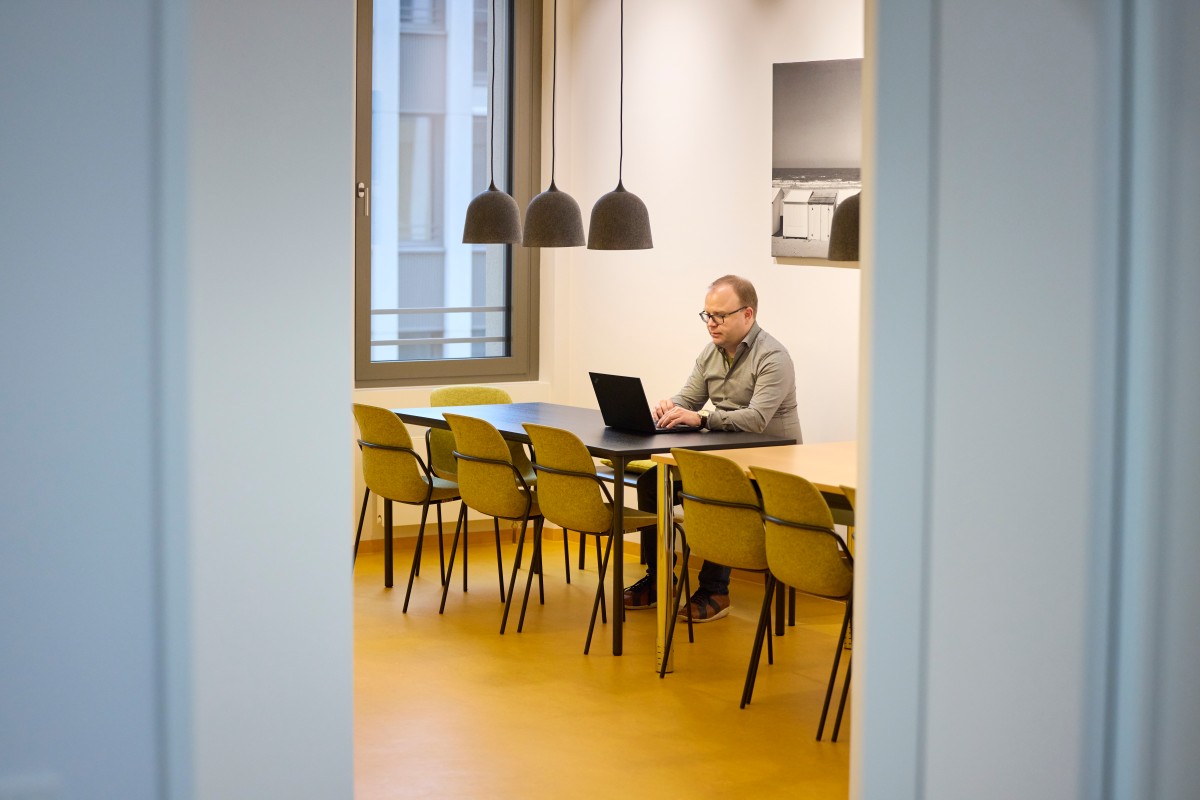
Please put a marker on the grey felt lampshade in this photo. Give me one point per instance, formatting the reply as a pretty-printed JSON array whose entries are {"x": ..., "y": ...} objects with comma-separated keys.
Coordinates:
[
  {"x": 620, "y": 221},
  {"x": 553, "y": 219},
  {"x": 493, "y": 218},
  {"x": 843, "y": 230}
]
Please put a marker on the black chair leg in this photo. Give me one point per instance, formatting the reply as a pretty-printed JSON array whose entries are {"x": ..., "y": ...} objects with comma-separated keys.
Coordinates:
[
  {"x": 687, "y": 590},
  {"x": 441, "y": 545},
  {"x": 362, "y": 515},
  {"x": 535, "y": 565},
  {"x": 500, "y": 561},
  {"x": 761, "y": 631},
  {"x": 512, "y": 582},
  {"x": 387, "y": 543},
  {"x": 837, "y": 722},
  {"x": 416, "y": 566},
  {"x": 773, "y": 585},
  {"x": 412, "y": 573},
  {"x": 603, "y": 560},
  {"x": 583, "y": 551},
  {"x": 496, "y": 528},
  {"x": 598, "y": 603},
  {"x": 837, "y": 657},
  {"x": 460, "y": 527},
  {"x": 567, "y": 551},
  {"x": 680, "y": 587},
  {"x": 538, "y": 524}
]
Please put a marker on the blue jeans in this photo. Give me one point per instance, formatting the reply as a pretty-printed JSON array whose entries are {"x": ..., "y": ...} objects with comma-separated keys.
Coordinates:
[{"x": 714, "y": 578}]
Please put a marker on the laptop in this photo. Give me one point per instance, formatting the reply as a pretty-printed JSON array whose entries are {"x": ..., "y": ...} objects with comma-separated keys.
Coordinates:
[{"x": 624, "y": 406}]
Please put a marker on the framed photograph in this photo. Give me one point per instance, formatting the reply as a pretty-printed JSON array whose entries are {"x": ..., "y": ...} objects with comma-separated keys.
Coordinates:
[{"x": 816, "y": 155}]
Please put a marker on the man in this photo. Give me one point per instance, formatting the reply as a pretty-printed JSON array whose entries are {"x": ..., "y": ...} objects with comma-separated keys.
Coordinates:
[{"x": 749, "y": 378}]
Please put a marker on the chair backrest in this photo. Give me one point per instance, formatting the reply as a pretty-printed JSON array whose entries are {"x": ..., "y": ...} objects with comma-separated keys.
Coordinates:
[
  {"x": 724, "y": 515},
  {"x": 576, "y": 501},
  {"x": 441, "y": 442},
  {"x": 803, "y": 549},
  {"x": 492, "y": 486},
  {"x": 391, "y": 468}
]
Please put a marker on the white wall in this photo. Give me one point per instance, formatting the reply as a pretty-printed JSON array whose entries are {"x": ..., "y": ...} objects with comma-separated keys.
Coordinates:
[
  {"x": 175, "y": 234},
  {"x": 698, "y": 152}
]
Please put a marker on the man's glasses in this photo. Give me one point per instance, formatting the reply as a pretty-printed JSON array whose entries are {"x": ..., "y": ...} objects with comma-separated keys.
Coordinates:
[{"x": 720, "y": 318}]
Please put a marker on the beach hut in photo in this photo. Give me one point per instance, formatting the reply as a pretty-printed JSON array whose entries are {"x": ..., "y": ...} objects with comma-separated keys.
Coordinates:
[
  {"x": 795, "y": 213},
  {"x": 776, "y": 209},
  {"x": 820, "y": 213}
]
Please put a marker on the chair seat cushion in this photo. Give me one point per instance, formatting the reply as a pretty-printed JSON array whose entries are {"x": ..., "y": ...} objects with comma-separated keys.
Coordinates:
[
  {"x": 633, "y": 519},
  {"x": 444, "y": 489}
]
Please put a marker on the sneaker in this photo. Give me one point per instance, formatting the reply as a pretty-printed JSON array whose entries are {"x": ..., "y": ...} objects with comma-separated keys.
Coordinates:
[
  {"x": 642, "y": 594},
  {"x": 706, "y": 607}
]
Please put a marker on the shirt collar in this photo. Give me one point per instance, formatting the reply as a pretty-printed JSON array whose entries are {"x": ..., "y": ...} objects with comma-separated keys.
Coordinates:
[
  {"x": 745, "y": 344},
  {"x": 751, "y": 335}
]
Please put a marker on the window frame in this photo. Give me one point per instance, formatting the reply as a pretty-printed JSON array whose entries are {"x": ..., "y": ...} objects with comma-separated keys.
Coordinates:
[{"x": 524, "y": 286}]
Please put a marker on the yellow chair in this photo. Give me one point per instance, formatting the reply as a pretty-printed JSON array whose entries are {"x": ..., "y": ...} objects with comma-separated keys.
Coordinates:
[
  {"x": 439, "y": 448},
  {"x": 439, "y": 443},
  {"x": 394, "y": 471},
  {"x": 804, "y": 551},
  {"x": 571, "y": 495},
  {"x": 724, "y": 525},
  {"x": 490, "y": 483}
]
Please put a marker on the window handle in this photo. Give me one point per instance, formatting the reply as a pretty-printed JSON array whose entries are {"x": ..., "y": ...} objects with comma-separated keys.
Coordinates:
[{"x": 364, "y": 194}]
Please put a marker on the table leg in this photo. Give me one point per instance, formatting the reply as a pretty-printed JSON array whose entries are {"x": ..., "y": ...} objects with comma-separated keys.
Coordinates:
[
  {"x": 666, "y": 557},
  {"x": 617, "y": 565}
]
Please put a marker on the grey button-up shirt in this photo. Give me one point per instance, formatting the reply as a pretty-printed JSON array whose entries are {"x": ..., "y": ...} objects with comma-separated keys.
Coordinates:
[{"x": 756, "y": 392}]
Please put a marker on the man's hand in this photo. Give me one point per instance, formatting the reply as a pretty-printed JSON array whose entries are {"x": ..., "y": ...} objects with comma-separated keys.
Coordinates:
[
  {"x": 662, "y": 407},
  {"x": 668, "y": 415}
]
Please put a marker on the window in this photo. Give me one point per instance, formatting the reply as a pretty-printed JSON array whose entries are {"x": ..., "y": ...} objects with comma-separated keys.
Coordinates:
[{"x": 428, "y": 308}]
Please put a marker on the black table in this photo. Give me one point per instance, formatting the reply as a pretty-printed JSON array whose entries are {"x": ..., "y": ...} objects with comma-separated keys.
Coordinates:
[{"x": 620, "y": 447}]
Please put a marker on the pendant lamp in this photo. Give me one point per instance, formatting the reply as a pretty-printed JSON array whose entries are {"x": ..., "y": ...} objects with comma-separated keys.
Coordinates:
[
  {"x": 843, "y": 230},
  {"x": 493, "y": 216},
  {"x": 620, "y": 220},
  {"x": 553, "y": 218}
]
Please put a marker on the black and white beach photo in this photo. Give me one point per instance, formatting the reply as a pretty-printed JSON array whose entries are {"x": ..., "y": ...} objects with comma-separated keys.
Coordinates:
[{"x": 816, "y": 152}]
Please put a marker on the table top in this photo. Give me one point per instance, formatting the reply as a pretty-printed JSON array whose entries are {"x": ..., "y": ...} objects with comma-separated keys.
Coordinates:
[
  {"x": 827, "y": 465},
  {"x": 588, "y": 425}
]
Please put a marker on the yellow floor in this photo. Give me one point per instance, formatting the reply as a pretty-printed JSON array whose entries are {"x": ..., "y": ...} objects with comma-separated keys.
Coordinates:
[{"x": 445, "y": 707}]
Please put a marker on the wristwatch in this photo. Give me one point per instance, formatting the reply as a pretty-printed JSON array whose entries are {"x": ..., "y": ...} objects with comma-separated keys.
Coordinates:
[{"x": 704, "y": 420}]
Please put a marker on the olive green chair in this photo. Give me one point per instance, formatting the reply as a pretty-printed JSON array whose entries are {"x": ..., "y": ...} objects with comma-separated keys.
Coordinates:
[
  {"x": 439, "y": 448},
  {"x": 724, "y": 525},
  {"x": 804, "y": 551},
  {"x": 393, "y": 470},
  {"x": 491, "y": 484},
  {"x": 572, "y": 496}
]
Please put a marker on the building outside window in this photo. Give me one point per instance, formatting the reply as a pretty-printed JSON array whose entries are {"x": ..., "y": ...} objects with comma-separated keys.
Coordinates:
[{"x": 429, "y": 308}]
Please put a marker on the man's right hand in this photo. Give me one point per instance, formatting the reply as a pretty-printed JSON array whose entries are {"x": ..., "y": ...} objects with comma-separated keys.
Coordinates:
[{"x": 661, "y": 408}]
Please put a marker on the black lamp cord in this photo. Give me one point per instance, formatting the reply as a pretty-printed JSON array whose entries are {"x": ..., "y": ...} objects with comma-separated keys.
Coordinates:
[
  {"x": 492, "y": 107},
  {"x": 621, "y": 115},
  {"x": 554, "y": 97}
]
